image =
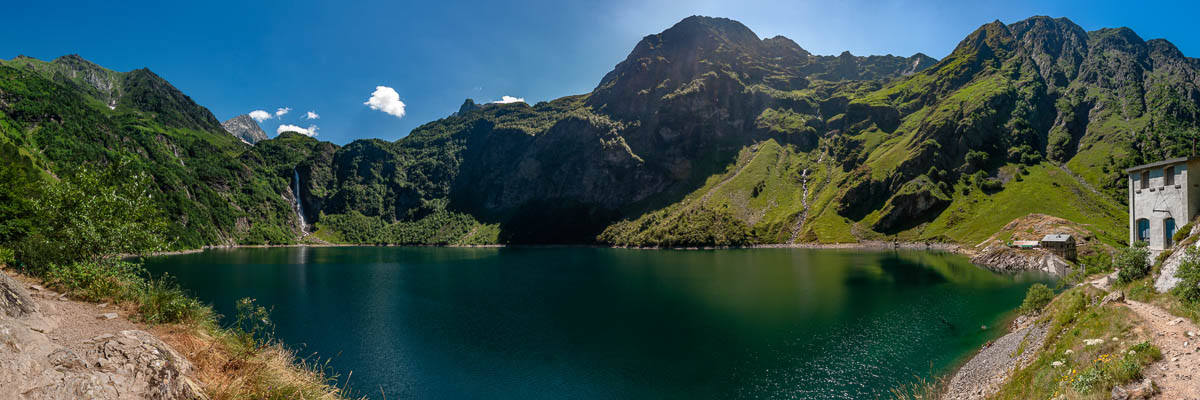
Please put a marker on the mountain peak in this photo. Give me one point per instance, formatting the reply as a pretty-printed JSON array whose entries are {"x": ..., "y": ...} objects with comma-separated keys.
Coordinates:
[
  {"x": 245, "y": 128},
  {"x": 467, "y": 106}
]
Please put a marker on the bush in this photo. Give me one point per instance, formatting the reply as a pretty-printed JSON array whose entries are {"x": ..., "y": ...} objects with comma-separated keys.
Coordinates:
[
  {"x": 252, "y": 328},
  {"x": 7, "y": 256},
  {"x": 1133, "y": 263},
  {"x": 163, "y": 301},
  {"x": 1188, "y": 288},
  {"x": 96, "y": 281},
  {"x": 1090, "y": 380},
  {"x": 1182, "y": 233},
  {"x": 976, "y": 160},
  {"x": 1058, "y": 141},
  {"x": 1036, "y": 299},
  {"x": 86, "y": 217},
  {"x": 1096, "y": 263}
]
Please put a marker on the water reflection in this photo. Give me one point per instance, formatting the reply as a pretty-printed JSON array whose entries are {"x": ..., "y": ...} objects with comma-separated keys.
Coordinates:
[{"x": 611, "y": 323}]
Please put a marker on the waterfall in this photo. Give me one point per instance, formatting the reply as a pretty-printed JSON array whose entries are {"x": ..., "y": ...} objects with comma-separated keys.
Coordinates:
[{"x": 298, "y": 203}]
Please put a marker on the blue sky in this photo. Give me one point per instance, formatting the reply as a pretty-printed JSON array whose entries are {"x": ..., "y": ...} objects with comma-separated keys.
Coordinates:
[{"x": 329, "y": 57}]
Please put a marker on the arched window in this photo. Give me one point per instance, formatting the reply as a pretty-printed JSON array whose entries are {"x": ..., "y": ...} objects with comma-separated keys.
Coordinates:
[
  {"x": 1168, "y": 231},
  {"x": 1143, "y": 230}
]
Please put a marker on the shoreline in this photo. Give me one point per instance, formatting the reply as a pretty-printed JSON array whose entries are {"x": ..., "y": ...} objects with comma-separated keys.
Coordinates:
[{"x": 864, "y": 245}]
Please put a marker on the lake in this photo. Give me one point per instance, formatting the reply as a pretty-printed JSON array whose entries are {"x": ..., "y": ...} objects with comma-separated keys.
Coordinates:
[{"x": 597, "y": 323}]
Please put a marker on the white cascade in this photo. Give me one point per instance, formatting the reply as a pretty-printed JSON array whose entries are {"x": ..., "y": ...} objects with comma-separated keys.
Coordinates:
[{"x": 298, "y": 204}]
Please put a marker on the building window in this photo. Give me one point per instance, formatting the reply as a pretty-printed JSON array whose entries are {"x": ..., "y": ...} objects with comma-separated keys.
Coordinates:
[
  {"x": 1168, "y": 232},
  {"x": 1143, "y": 230},
  {"x": 1168, "y": 176},
  {"x": 1145, "y": 180}
]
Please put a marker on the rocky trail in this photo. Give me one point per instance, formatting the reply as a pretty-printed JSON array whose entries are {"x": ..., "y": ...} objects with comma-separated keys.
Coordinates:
[
  {"x": 52, "y": 347},
  {"x": 1178, "y": 373}
]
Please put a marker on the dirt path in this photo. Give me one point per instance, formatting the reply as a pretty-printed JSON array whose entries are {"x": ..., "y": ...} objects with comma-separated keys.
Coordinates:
[
  {"x": 1178, "y": 373},
  {"x": 56, "y": 348}
]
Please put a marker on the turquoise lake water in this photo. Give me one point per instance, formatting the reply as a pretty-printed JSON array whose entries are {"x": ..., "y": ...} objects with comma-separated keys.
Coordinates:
[{"x": 596, "y": 323}]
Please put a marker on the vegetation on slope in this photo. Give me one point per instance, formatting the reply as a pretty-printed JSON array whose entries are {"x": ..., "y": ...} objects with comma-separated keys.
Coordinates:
[{"x": 72, "y": 233}]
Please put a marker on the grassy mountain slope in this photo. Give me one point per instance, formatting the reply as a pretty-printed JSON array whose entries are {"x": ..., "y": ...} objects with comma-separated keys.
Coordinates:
[
  {"x": 705, "y": 134},
  {"x": 70, "y": 113}
]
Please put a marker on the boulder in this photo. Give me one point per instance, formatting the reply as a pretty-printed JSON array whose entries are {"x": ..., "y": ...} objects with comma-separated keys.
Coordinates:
[
  {"x": 1135, "y": 391},
  {"x": 1116, "y": 296},
  {"x": 14, "y": 300}
]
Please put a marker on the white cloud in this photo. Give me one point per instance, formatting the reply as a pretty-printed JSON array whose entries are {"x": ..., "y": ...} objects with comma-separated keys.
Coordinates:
[
  {"x": 310, "y": 131},
  {"x": 280, "y": 112},
  {"x": 260, "y": 115},
  {"x": 509, "y": 99},
  {"x": 312, "y": 115},
  {"x": 387, "y": 100}
]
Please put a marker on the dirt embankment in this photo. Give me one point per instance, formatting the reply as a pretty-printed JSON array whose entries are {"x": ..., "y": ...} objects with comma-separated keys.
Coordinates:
[{"x": 55, "y": 348}]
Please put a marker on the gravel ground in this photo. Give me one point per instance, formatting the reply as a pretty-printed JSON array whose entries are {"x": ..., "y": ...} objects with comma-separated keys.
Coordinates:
[{"x": 982, "y": 375}]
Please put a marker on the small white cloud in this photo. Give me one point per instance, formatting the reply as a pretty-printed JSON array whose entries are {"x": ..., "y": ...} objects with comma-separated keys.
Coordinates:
[
  {"x": 312, "y": 115},
  {"x": 509, "y": 99},
  {"x": 280, "y": 112},
  {"x": 310, "y": 131},
  {"x": 387, "y": 100},
  {"x": 260, "y": 115}
]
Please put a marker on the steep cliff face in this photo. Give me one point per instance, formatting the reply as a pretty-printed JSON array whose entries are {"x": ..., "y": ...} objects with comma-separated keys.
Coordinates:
[
  {"x": 245, "y": 128},
  {"x": 675, "y": 112}
]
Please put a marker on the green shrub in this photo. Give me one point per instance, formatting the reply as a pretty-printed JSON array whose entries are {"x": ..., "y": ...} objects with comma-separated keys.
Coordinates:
[
  {"x": 1182, "y": 233},
  {"x": 1036, "y": 299},
  {"x": 1188, "y": 288},
  {"x": 1133, "y": 263},
  {"x": 96, "y": 281},
  {"x": 7, "y": 256},
  {"x": 1090, "y": 380},
  {"x": 91, "y": 215},
  {"x": 252, "y": 328},
  {"x": 1096, "y": 263},
  {"x": 161, "y": 300}
]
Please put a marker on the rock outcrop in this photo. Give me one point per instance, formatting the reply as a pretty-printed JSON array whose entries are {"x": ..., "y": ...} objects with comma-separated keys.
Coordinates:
[
  {"x": 1166, "y": 273},
  {"x": 1004, "y": 259},
  {"x": 38, "y": 360},
  {"x": 245, "y": 128}
]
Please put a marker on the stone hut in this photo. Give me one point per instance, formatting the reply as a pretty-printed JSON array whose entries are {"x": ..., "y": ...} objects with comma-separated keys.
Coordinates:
[
  {"x": 1060, "y": 245},
  {"x": 1162, "y": 197}
]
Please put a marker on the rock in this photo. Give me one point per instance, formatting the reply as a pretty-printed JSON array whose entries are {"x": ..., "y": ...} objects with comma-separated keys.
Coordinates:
[
  {"x": 14, "y": 301},
  {"x": 107, "y": 316},
  {"x": 1119, "y": 393},
  {"x": 65, "y": 358},
  {"x": 1142, "y": 390},
  {"x": 1116, "y": 296},
  {"x": 1175, "y": 321},
  {"x": 245, "y": 128},
  {"x": 102, "y": 305}
]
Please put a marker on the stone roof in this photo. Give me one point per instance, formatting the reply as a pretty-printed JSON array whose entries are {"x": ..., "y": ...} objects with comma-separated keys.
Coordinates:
[
  {"x": 1057, "y": 238},
  {"x": 1163, "y": 163}
]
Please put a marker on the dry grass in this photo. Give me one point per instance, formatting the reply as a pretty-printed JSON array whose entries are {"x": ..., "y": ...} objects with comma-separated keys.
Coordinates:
[{"x": 270, "y": 371}]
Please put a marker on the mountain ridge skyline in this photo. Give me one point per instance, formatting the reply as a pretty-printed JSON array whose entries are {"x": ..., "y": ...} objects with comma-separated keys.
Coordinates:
[{"x": 298, "y": 68}]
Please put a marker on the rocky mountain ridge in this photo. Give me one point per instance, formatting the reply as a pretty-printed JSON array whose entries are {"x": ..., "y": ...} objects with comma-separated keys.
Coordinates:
[
  {"x": 705, "y": 134},
  {"x": 245, "y": 128}
]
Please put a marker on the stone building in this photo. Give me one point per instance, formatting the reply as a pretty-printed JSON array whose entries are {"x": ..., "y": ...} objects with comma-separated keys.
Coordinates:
[
  {"x": 1061, "y": 245},
  {"x": 1162, "y": 197}
]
